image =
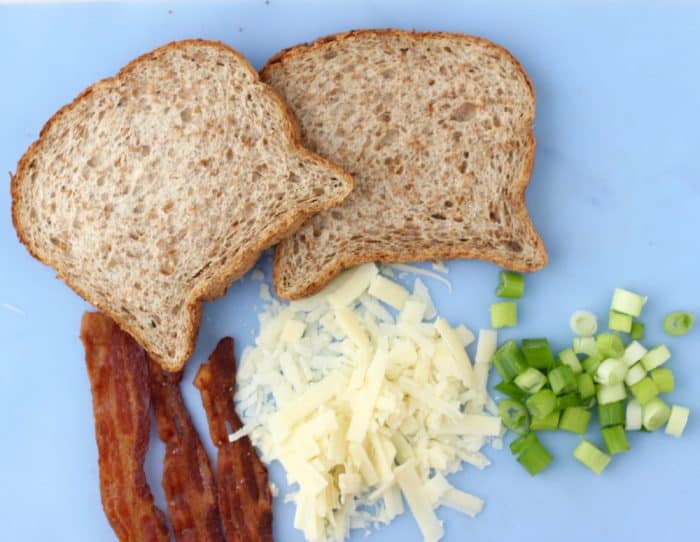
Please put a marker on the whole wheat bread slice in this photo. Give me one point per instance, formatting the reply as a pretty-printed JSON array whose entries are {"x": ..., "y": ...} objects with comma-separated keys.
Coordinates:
[
  {"x": 436, "y": 129},
  {"x": 155, "y": 189}
]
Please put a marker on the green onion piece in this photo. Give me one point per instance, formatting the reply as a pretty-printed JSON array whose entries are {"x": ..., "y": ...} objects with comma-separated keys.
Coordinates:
[
  {"x": 677, "y": 421},
  {"x": 655, "y": 413},
  {"x": 583, "y": 323},
  {"x": 509, "y": 361},
  {"x": 611, "y": 414},
  {"x": 537, "y": 353},
  {"x": 610, "y": 345},
  {"x": 568, "y": 357},
  {"x": 663, "y": 378},
  {"x": 514, "y": 415},
  {"x": 585, "y": 345},
  {"x": 678, "y": 323},
  {"x": 637, "y": 332},
  {"x": 542, "y": 403},
  {"x": 535, "y": 458},
  {"x": 548, "y": 423},
  {"x": 611, "y": 371},
  {"x": 511, "y": 390},
  {"x": 633, "y": 353},
  {"x": 656, "y": 357},
  {"x": 627, "y": 302},
  {"x": 586, "y": 388},
  {"x": 510, "y": 285},
  {"x": 619, "y": 322},
  {"x": 645, "y": 390},
  {"x": 504, "y": 314},
  {"x": 591, "y": 457},
  {"x": 523, "y": 442},
  {"x": 611, "y": 393},
  {"x": 562, "y": 380},
  {"x": 531, "y": 380},
  {"x": 633, "y": 415},
  {"x": 635, "y": 374},
  {"x": 575, "y": 420},
  {"x": 591, "y": 363},
  {"x": 569, "y": 400},
  {"x": 615, "y": 439}
]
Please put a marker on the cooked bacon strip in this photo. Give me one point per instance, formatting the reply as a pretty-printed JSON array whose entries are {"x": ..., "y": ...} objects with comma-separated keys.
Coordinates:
[
  {"x": 188, "y": 479},
  {"x": 120, "y": 401},
  {"x": 245, "y": 501}
]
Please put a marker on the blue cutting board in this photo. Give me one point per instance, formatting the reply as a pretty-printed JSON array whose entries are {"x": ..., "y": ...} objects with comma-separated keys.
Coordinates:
[{"x": 615, "y": 194}]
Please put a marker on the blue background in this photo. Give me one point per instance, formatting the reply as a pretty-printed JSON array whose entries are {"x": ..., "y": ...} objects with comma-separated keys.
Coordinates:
[{"x": 615, "y": 194}]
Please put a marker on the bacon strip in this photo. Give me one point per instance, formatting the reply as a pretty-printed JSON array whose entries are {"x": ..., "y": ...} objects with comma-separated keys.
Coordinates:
[
  {"x": 245, "y": 501},
  {"x": 120, "y": 400},
  {"x": 188, "y": 479}
]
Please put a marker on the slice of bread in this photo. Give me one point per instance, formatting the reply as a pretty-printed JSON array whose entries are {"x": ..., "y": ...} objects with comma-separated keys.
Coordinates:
[
  {"x": 437, "y": 130},
  {"x": 155, "y": 189}
]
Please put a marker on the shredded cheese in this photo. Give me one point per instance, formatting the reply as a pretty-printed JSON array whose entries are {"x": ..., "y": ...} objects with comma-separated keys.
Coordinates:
[{"x": 364, "y": 397}]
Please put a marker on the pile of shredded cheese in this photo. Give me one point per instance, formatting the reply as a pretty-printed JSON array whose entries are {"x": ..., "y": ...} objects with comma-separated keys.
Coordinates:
[{"x": 361, "y": 404}]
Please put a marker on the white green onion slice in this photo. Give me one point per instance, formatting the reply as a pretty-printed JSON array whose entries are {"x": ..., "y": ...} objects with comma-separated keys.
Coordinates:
[
  {"x": 583, "y": 323},
  {"x": 655, "y": 414},
  {"x": 611, "y": 371},
  {"x": 611, "y": 393},
  {"x": 656, "y": 357},
  {"x": 633, "y": 415},
  {"x": 627, "y": 302},
  {"x": 633, "y": 353},
  {"x": 677, "y": 421},
  {"x": 635, "y": 374}
]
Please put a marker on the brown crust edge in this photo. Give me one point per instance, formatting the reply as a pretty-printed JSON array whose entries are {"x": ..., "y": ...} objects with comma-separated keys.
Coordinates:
[
  {"x": 219, "y": 284},
  {"x": 431, "y": 253}
]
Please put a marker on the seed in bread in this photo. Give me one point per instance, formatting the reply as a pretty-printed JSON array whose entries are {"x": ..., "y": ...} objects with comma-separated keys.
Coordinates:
[{"x": 437, "y": 130}]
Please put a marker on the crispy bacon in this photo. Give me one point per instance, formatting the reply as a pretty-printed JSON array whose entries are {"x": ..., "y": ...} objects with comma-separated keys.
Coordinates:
[
  {"x": 188, "y": 479},
  {"x": 245, "y": 501},
  {"x": 120, "y": 400}
]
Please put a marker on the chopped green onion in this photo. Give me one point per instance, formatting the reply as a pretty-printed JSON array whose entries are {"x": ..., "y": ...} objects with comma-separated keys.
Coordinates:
[
  {"x": 678, "y": 323},
  {"x": 569, "y": 400},
  {"x": 583, "y": 323},
  {"x": 611, "y": 414},
  {"x": 562, "y": 380},
  {"x": 615, "y": 439},
  {"x": 677, "y": 421},
  {"x": 591, "y": 363},
  {"x": 511, "y": 390},
  {"x": 645, "y": 390},
  {"x": 509, "y": 361},
  {"x": 591, "y": 457},
  {"x": 656, "y": 357},
  {"x": 663, "y": 378},
  {"x": 611, "y": 371},
  {"x": 523, "y": 442},
  {"x": 575, "y": 420},
  {"x": 549, "y": 423},
  {"x": 510, "y": 285},
  {"x": 541, "y": 403},
  {"x": 655, "y": 414},
  {"x": 531, "y": 380},
  {"x": 635, "y": 374},
  {"x": 585, "y": 345},
  {"x": 637, "y": 332},
  {"x": 568, "y": 357},
  {"x": 537, "y": 353},
  {"x": 619, "y": 322},
  {"x": 586, "y": 388},
  {"x": 514, "y": 415},
  {"x": 504, "y": 314},
  {"x": 633, "y": 353},
  {"x": 611, "y": 393},
  {"x": 627, "y": 302},
  {"x": 610, "y": 345},
  {"x": 633, "y": 415},
  {"x": 535, "y": 458}
]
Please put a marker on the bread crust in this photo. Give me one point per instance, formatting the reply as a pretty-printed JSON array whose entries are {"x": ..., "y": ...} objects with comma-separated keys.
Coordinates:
[
  {"x": 434, "y": 252},
  {"x": 218, "y": 285}
]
